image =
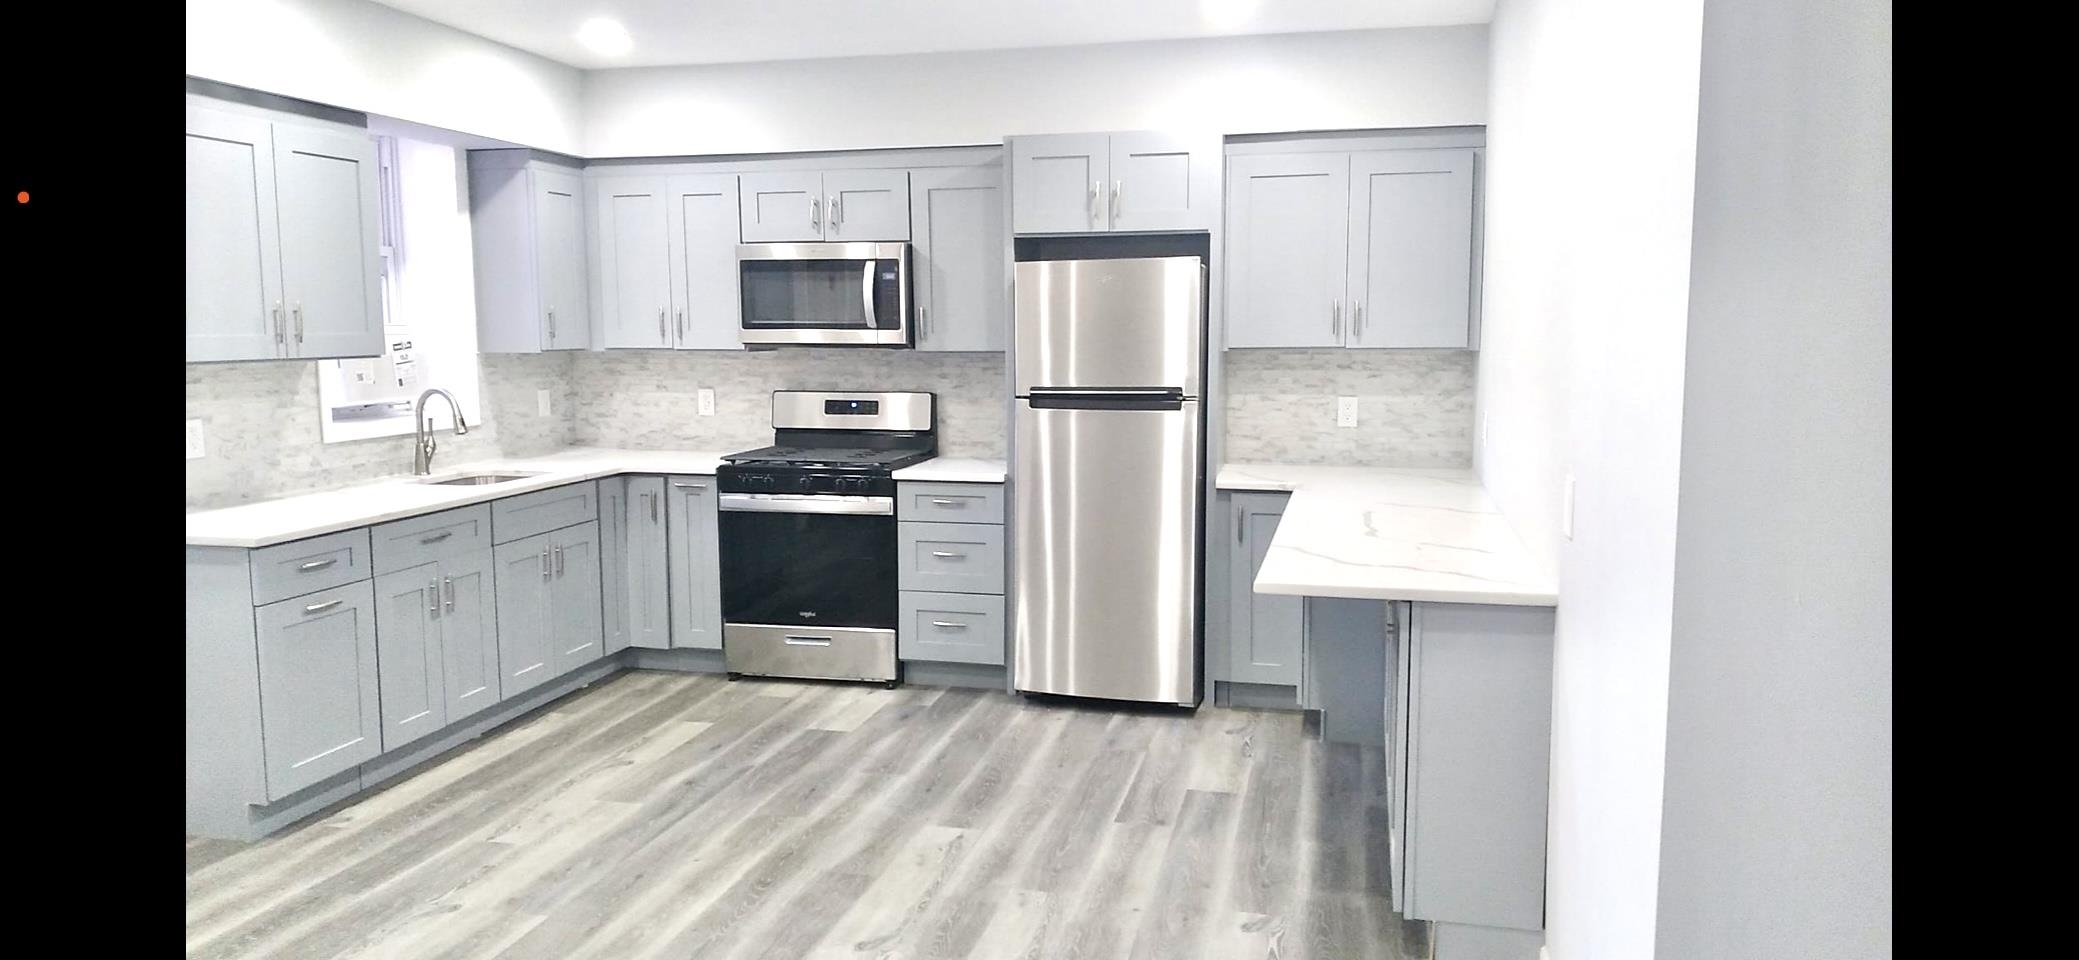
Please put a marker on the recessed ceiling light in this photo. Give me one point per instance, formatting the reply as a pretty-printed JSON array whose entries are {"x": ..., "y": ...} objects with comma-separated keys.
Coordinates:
[{"x": 605, "y": 36}]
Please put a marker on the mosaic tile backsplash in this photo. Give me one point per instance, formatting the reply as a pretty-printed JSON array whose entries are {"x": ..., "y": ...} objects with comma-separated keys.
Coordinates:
[
  {"x": 1414, "y": 408},
  {"x": 262, "y": 440}
]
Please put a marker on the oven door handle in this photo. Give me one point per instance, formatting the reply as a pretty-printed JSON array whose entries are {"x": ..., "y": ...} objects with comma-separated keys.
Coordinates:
[{"x": 805, "y": 503}]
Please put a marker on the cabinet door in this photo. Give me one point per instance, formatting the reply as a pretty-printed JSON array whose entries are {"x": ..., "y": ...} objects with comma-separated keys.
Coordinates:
[
  {"x": 635, "y": 280},
  {"x": 613, "y": 561},
  {"x": 957, "y": 230},
  {"x": 1059, "y": 183},
  {"x": 1263, "y": 632},
  {"x": 559, "y": 233},
  {"x": 234, "y": 282},
  {"x": 648, "y": 581},
  {"x": 575, "y": 607},
  {"x": 782, "y": 207},
  {"x": 325, "y": 194},
  {"x": 468, "y": 635},
  {"x": 696, "y": 564},
  {"x": 522, "y": 587},
  {"x": 704, "y": 231},
  {"x": 866, "y": 205},
  {"x": 1411, "y": 248},
  {"x": 318, "y": 704},
  {"x": 1286, "y": 240},
  {"x": 1163, "y": 181},
  {"x": 407, "y": 653}
]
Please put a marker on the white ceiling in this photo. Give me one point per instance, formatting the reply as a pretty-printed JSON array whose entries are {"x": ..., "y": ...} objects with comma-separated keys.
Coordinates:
[{"x": 668, "y": 32}]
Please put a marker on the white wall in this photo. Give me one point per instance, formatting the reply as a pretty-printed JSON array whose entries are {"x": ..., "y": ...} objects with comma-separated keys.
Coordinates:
[
  {"x": 1776, "y": 831},
  {"x": 1592, "y": 151},
  {"x": 1372, "y": 78},
  {"x": 362, "y": 56}
]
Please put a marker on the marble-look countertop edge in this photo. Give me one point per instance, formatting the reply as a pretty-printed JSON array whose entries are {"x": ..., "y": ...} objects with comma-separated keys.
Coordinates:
[{"x": 954, "y": 470}]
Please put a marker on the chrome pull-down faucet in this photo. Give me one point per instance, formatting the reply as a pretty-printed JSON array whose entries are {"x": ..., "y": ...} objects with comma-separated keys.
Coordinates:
[{"x": 422, "y": 437}]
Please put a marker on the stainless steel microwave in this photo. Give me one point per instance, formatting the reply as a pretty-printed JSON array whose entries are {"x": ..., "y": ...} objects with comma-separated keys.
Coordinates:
[{"x": 839, "y": 294}]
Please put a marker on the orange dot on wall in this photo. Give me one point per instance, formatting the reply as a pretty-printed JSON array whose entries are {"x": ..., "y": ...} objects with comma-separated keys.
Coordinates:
[{"x": 22, "y": 197}]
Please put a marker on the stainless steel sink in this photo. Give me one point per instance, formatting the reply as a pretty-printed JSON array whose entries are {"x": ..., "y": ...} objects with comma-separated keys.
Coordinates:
[{"x": 478, "y": 479}]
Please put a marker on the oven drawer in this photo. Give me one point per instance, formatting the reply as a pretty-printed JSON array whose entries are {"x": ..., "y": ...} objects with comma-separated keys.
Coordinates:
[
  {"x": 952, "y": 628},
  {"x": 950, "y": 502},
  {"x": 950, "y": 557},
  {"x": 825, "y": 653}
]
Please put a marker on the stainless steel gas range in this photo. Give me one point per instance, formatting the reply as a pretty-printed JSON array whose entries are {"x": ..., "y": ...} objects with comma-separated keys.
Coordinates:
[{"x": 808, "y": 539}]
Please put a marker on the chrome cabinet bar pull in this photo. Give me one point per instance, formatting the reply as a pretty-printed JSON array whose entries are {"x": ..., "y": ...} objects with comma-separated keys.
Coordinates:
[
  {"x": 689, "y": 486},
  {"x": 327, "y": 605},
  {"x": 948, "y": 626},
  {"x": 680, "y": 320},
  {"x": 298, "y": 311},
  {"x": 816, "y": 213},
  {"x": 943, "y": 502},
  {"x": 1117, "y": 187},
  {"x": 316, "y": 565},
  {"x": 552, "y": 326},
  {"x": 281, "y": 329},
  {"x": 660, "y": 323},
  {"x": 950, "y": 556},
  {"x": 438, "y": 537},
  {"x": 1357, "y": 319},
  {"x": 433, "y": 604},
  {"x": 448, "y": 586},
  {"x": 1335, "y": 317},
  {"x": 837, "y": 212},
  {"x": 923, "y": 320},
  {"x": 652, "y": 498},
  {"x": 1095, "y": 186},
  {"x": 544, "y": 563},
  {"x": 1237, "y": 524},
  {"x": 559, "y": 560}
]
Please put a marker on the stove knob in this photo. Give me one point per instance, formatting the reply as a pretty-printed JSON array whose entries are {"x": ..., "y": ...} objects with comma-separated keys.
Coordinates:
[{"x": 807, "y": 484}]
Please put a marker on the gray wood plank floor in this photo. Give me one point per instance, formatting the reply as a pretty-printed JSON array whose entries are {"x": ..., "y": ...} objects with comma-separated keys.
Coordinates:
[{"x": 683, "y": 816}]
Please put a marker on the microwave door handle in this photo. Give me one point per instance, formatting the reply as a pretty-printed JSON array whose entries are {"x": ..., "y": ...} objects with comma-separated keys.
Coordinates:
[{"x": 866, "y": 292}]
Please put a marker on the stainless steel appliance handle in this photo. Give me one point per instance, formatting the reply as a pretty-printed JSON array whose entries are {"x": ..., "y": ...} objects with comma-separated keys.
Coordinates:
[
  {"x": 327, "y": 605},
  {"x": 866, "y": 291},
  {"x": 315, "y": 565},
  {"x": 806, "y": 503},
  {"x": 794, "y": 641},
  {"x": 438, "y": 537},
  {"x": 948, "y": 626}
]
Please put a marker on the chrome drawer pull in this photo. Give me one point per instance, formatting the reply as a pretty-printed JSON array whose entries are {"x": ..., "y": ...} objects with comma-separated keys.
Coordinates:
[
  {"x": 949, "y": 556},
  {"x": 689, "y": 486},
  {"x": 943, "y": 625},
  {"x": 327, "y": 605},
  {"x": 947, "y": 503},
  {"x": 316, "y": 565},
  {"x": 808, "y": 641},
  {"x": 438, "y": 537}
]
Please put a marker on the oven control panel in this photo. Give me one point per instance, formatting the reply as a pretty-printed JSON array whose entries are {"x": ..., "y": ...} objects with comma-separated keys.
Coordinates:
[{"x": 826, "y": 482}]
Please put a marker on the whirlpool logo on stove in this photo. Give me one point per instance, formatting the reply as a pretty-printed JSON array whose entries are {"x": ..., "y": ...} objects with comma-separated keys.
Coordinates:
[{"x": 807, "y": 614}]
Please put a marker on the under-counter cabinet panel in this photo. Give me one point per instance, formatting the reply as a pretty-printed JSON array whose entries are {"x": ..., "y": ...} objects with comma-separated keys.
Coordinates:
[
  {"x": 468, "y": 635},
  {"x": 956, "y": 231},
  {"x": 1286, "y": 249},
  {"x": 613, "y": 561},
  {"x": 318, "y": 691},
  {"x": 574, "y": 599},
  {"x": 527, "y": 227},
  {"x": 1264, "y": 632},
  {"x": 526, "y": 653},
  {"x": 281, "y": 239},
  {"x": 408, "y": 656},
  {"x": 1119, "y": 182},
  {"x": 645, "y": 590},
  {"x": 692, "y": 512},
  {"x": 951, "y": 628},
  {"x": 1411, "y": 248}
]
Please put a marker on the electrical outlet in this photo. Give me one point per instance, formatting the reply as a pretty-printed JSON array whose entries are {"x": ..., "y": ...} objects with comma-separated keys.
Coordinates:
[
  {"x": 707, "y": 401},
  {"x": 1566, "y": 510},
  {"x": 1346, "y": 411},
  {"x": 1544, "y": 954},
  {"x": 541, "y": 402},
  {"x": 194, "y": 439}
]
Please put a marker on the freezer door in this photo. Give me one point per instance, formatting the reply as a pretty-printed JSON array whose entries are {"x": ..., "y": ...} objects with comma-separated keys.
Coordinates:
[
  {"x": 1110, "y": 323},
  {"x": 1107, "y": 521}
]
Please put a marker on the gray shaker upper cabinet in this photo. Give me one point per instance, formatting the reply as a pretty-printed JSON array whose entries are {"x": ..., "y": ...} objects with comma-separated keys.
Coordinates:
[
  {"x": 956, "y": 229},
  {"x": 1117, "y": 182},
  {"x": 1286, "y": 249},
  {"x": 281, "y": 238},
  {"x": 527, "y": 224},
  {"x": 833, "y": 206},
  {"x": 633, "y": 247},
  {"x": 702, "y": 221},
  {"x": 1338, "y": 248},
  {"x": 1411, "y": 248}
]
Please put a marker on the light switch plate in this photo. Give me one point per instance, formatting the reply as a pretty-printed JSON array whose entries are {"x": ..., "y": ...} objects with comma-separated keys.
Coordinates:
[
  {"x": 707, "y": 401},
  {"x": 541, "y": 402},
  {"x": 194, "y": 439},
  {"x": 1346, "y": 411},
  {"x": 1566, "y": 510}
]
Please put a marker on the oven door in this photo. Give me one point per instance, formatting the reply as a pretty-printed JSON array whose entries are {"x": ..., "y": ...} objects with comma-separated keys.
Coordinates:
[
  {"x": 785, "y": 567},
  {"x": 824, "y": 293}
]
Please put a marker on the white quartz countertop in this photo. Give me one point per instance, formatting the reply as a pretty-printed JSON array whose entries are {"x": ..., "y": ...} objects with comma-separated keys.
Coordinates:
[
  {"x": 394, "y": 498},
  {"x": 1379, "y": 533},
  {"x": 953, "y": 470}
]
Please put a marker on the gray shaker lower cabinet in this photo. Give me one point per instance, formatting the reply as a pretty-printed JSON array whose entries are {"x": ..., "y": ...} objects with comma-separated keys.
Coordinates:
[
  {"x": 408, "y": 655},
  {"x": 319, "y": 712},
  {"x": 639, "y": 591},
  {"x": 468, "y": 635},
  {"x": 613, "y": 561},
  {"x": 951, "y": 628},
  {"x": 574, "y": 601},
  {"x": 1263, "y": 631},
  {"x": 695, "y": 565},
  {"x": 525, "y": 652}
]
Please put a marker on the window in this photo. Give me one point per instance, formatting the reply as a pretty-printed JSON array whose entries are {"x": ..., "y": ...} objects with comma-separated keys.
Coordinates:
[{"x": 428, "y": 302}]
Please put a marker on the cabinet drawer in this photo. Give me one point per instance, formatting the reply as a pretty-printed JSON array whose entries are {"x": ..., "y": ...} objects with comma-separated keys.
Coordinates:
[
  {"x": 295, "y": 568},
  {"x": 950, "y": 557},
  {"x": 951, "y": 628},
  {"x": 435, "y": 536},
  {"x": 951, "y": 502},
  {"x": 515, "y": 518}
]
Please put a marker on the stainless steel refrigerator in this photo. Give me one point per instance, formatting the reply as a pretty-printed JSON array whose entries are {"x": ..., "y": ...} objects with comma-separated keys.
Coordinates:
[{"x": 1108, "y": 477}]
